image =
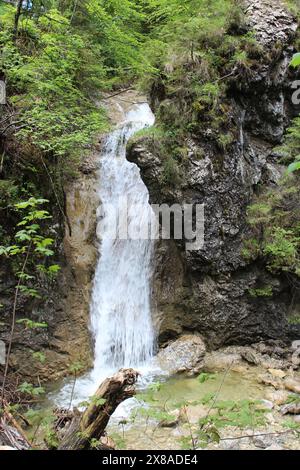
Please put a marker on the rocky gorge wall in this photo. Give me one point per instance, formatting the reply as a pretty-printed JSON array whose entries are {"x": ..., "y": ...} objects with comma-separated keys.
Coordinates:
[
  {"x": 208, "y": 290},
  {"x": 65, "y": 301},
  {"x": 204, "y": 291}
]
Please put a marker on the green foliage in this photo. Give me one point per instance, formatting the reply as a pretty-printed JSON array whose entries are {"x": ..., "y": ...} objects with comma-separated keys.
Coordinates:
[
  {"x": 291, "y": 146},
  {"x": 262, "y": 292},
  {"x": 224, "y": 140},
  {"x": 5, "y": 8},
  {"x": 294, "y": 166},
  {"x": 192, "y": 47},
  {"x": 76, "y": 367},
  {"x": 95, "y": 444},
  {"x": 8, "y": 193},
  {"x": 32, "y": 325},
  {"x": 282, "y": 249},
  {"x": 242, "y": 413},
  {"x": 294, "y": 319},
  {"x": 29, "y": 389},
  {"x": 64, "y": 56},
  {"x": 31, "y": 248},
  {"x": 293, "y": 399},
  {"x": 251, "y": 249},
  {"x": 295, "y": 62},
  {"x": 275, "y": 219},
  {"x": 51, "y": 438},
  {"x": 204, "y": 376},
  {"x": 39, "y": 356},
  {"x": 98, "y": 401},
  {"x": 291, "y": 424},
  {"x": 29, "y": 236},
  {"x": 155, "y": 386},
  {"x": 171, "y": 174},
  {"x": 119, "y": 441}
]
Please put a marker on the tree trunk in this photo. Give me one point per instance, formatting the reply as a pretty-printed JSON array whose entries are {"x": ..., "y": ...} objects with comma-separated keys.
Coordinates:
[
  {"x": 92, "y": 423},
  {"x": 17, "y": 17}
]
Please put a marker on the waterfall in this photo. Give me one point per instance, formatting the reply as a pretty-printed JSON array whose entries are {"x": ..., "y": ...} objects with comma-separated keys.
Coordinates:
[
  {"x": 120, "y": 314},
  {"x": 120, "y": 309}
]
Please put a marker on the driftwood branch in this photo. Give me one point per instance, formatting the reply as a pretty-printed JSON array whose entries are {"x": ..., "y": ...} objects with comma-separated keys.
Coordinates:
[{"x": 93, "y": 421}]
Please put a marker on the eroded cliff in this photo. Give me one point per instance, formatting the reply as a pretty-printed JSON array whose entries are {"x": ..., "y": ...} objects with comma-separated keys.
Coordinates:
[{"x": 209, "y": 290}]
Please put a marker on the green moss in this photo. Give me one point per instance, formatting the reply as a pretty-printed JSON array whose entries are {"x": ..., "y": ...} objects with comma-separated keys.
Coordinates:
[
  {"x": 171, "y": 172},
  {"x": 224, "y": 140},
  {"x": 294, "y": 319},
  {"x": 266, "y": 291},
  {"x": 251, "y": 249}
]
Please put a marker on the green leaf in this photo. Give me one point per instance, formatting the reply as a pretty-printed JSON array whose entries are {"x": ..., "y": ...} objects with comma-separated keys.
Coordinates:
[
  {"x": 29, "y": 291},
  {"x": 98, "y": 401},
  {"x": 22, "y": 235},
  {"x": 293, "y": 167},
  {"x": 30, "y": 389},
  {"x": 39, "y": 356},
  {"x": 30, "y": 324},
  {"x": 24, "y": 276},
  {"x": 204, "y": 376},
  {"x": 295, "y": 62},
  {"x": 53, "y": 269},
  {"x": 76, "y": 367}
]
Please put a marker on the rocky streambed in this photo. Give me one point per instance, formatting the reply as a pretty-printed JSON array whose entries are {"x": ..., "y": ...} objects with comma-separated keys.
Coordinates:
[{"x": 240, "y": 398}]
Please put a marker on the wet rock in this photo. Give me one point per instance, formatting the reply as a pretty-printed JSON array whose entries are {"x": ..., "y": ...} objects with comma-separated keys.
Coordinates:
[
  {"x": 192, "y": 414},
  {"x": 267, "y": 379},
  {"x": 107, "y": 442},
  {"x": 292, "y": 384},
  {"x": 165, "y": 423},
  {"x": 262, "y": 442},
  {"x": 250, "y": 356},
  {"x": 295, "y": 345},
  {"x": 296, "y": 360},
  {"x": 270, "y": 418},
  {"x": 279, "y": 397},
  {"x": 230, "y": 444},
  {"x": 222, "y": 359},
  {"x": 265, "y": 405},
  {"x": 290, "y": 408},
  {"x": 280, "y": 374},
  {"x": 183, "y": 355},
  {"x": 239, "y": 368}
]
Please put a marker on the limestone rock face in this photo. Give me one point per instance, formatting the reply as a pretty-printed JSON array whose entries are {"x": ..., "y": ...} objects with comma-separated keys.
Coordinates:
[
  {"x": 183, "y": 355},
  {"x": 66, "y": 309},
  {"x": 208, "y": 290},
  {"x": 270, "y": 21}
]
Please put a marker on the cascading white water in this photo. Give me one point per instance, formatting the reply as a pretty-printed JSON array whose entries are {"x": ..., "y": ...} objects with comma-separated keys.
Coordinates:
[
  {"x": 120, "y": 310},
  {"x": 121, "y": 322}
]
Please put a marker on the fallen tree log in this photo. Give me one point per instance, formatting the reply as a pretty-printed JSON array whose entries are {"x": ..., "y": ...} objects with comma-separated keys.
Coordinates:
[
  {"x": 11, "y": 434},
  {"x": 93, "y": 421}
]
